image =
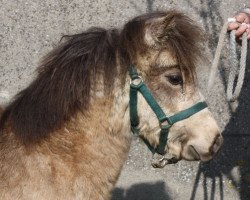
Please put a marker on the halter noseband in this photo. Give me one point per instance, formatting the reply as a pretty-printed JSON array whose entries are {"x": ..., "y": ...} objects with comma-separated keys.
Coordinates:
[{"x": 164, "y": 121}]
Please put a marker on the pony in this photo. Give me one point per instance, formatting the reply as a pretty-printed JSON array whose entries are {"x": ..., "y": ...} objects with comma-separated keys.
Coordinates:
[{"x": 67, "y": 135}]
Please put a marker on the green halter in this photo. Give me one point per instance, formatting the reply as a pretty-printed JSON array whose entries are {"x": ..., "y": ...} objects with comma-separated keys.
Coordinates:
[{"x": 162, "y": 117}]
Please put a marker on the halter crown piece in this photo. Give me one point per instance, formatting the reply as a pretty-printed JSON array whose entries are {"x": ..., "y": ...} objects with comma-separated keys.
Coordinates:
[{"x": 137, "y": 85}]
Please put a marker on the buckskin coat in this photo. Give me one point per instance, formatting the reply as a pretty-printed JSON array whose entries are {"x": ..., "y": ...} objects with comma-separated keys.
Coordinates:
[{"x": 67, "y": 134}]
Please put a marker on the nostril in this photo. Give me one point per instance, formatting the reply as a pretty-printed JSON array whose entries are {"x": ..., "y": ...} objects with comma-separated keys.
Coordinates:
[{"x": 216, "y": 144}]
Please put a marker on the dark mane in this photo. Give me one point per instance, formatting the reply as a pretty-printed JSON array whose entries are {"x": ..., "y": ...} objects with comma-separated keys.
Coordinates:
[
  {"x": 63, "y": 83},
  {"x": 62, "y": 87}
]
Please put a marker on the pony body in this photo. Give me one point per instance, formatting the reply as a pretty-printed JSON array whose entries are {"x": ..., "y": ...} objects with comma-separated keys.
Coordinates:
[{"x": 67, "y": 135}]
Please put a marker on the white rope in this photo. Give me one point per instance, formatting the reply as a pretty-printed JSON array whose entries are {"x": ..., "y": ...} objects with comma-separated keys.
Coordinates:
[
  {"x": 232, "y": 94},
  {"x": 217, "y": 56}
]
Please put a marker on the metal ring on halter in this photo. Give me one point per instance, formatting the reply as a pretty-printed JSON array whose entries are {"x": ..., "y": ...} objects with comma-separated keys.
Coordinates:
[
  {"x": 132, "y": 82},
  {"x": 165, "y": 123}
]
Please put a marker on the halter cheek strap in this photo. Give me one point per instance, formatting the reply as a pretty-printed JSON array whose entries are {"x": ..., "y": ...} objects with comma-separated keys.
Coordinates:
[{"x": 137, "y": 85}]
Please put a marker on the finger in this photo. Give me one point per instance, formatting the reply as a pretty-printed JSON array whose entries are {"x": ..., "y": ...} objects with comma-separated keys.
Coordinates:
[
  {"x": 240, "y": 30},
  {"x": 242, "y": 17},
  {"x": 233, "y": 26}
]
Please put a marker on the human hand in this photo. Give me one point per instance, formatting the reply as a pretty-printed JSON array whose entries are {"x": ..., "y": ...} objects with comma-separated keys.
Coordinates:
[{"x": 241, "y": 25}]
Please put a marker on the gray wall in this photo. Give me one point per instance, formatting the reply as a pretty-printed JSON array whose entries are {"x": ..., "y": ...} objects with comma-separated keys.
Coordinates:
[{"x": 29, "y": 29}]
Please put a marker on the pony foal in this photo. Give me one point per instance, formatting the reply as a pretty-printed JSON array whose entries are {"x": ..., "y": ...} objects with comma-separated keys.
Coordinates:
[{"x": 67, "y": 134}]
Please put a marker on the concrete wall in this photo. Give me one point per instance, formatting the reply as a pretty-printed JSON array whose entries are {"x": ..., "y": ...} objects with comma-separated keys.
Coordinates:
[{"x": 30, "y": 28}]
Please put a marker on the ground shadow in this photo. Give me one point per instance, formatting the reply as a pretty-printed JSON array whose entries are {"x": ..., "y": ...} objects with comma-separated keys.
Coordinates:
[
  {"x": 149, "y": 4},
  {"x": 235, "y": 153},
  {"x": 142, "y": 191},
  {"x": 211, "y": 19}
]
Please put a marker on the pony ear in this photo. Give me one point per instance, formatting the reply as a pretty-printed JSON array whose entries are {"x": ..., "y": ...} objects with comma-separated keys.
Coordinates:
[{"x": 160, "y": 29}]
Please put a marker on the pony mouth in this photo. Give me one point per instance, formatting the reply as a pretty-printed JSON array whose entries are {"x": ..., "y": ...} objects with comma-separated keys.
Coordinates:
[
  {"x": 173, "y": 160},
  {"x": 194, "y": 153}
]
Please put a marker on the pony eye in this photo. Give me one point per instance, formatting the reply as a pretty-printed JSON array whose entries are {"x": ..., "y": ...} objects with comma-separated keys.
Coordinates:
[{"x": 175, "y": 79}]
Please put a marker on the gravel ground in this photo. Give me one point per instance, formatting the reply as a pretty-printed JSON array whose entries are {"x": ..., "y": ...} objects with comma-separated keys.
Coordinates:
[{"x": 30, "y": 28}]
